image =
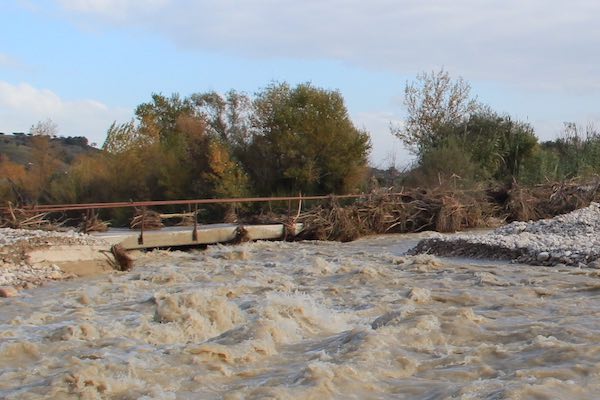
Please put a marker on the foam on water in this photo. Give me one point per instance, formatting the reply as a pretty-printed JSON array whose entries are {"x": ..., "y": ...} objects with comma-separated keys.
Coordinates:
[{"x": 306, "y": 320}]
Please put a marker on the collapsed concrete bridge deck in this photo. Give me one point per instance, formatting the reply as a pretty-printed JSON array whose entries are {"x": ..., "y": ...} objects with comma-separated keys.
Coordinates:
[{"x": 180, "y": 236}]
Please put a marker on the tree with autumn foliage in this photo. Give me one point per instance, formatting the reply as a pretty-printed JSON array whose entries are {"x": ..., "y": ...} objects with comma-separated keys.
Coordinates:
[{"x": 284, "y": 140}]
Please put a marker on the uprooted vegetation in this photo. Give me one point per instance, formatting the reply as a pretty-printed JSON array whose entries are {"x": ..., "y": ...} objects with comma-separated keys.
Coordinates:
[
  {"x": 410, "y": 211},
  {"x": 441, "y": 209},
  {"x": 549, "y": 200}
]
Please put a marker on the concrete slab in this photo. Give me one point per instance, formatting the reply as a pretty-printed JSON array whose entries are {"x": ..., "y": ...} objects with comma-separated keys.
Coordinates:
[
  {"x": 77, "y": 260},
  {"x": 183, "y": 236},
  {"x": 83, "y": 260}
]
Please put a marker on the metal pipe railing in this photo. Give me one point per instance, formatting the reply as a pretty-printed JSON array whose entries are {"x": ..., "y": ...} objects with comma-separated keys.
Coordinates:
[{"x": 152, "y": 203}]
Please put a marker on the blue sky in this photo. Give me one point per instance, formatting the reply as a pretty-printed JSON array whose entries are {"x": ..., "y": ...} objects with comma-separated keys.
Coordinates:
[{"x": 87, "y": 63}]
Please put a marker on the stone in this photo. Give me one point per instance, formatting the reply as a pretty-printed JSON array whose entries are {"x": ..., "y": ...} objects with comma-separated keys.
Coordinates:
[
  {"x": 8, "y": 291},
  {"x": 543, "y": 256},
  {"x": 566, "y": 260},
  {"x": 594, "y": 264}
]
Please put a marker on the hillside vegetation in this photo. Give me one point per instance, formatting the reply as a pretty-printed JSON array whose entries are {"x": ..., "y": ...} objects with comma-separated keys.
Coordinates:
[
  {"x": 19, "y": 148},
  {"x": 289, "y": 140}
]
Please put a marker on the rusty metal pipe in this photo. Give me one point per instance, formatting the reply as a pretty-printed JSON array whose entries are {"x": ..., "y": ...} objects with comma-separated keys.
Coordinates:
[{"x": 86, "y": 206}]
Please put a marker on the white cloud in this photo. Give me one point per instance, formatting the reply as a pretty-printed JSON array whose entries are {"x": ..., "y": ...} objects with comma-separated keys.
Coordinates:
[
  {"x": 23, "y": 105},
  {"x": 544, "y": 44}
]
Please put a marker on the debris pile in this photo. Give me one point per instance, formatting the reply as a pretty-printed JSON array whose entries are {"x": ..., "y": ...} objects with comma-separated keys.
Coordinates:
[
  {"x": 570, "y": 239},
  {"x": 442, "y": 210}
]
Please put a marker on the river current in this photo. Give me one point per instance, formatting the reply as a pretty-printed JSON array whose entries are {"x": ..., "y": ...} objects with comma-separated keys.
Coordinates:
[{"x": 311, "y": 320}]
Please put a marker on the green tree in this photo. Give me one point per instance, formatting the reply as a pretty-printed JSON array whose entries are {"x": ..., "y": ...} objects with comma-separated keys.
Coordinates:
[
  {"x": 305, "y": 142},
  {"x": 497, "y": 143},
  {"x": 575, "y": 153},
  {"x": 486, "y": 147},
  {"x": 446, "y": 164},
  {"x": 189, "y": 132},
  {"x": 159, "y": 118}
]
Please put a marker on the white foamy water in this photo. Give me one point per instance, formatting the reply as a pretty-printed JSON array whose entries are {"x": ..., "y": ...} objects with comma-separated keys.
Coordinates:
[{"x": 307, "y": 321}]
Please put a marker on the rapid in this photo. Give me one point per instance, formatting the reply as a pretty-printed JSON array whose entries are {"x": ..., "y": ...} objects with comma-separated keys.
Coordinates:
[{"x": 307, "y": 320}]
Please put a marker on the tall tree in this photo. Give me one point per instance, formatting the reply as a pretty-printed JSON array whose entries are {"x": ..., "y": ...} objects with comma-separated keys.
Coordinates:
[
  {"x": 305, "y": 141},
  {"x": 159, "y": 118},
  {"x": 487, "y": 146},
  {"x": 498, "y": 143},
  {"x": 228, "y": 116},
  {"x": 433, "y": 102}
]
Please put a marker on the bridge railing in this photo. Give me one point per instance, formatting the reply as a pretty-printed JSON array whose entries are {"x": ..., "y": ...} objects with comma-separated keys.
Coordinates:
[{"x": 142, "y": 206}]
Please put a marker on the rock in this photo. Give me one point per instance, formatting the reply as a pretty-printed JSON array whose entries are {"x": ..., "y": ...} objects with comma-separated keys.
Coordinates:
[
  {"x": 8, "y": 291},
  {"x": 386, "y": 319},
  {"x": 28, "y": 285},
  {"x": 543, "y": 256},
  {"x": 594, "y": 264}
]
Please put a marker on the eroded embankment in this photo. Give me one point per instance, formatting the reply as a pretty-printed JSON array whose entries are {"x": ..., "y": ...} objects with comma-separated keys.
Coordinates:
[
  {"x": 30, "y": 257},
  {"x": 569, "y": 239}
]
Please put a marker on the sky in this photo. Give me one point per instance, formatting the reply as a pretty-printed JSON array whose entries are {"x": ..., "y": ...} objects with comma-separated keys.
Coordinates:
[{"x": 86, "y": 63}]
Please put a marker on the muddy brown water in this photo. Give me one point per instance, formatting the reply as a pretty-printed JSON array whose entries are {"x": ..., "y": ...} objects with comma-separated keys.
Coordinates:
[{"x": 307, "y": 320}]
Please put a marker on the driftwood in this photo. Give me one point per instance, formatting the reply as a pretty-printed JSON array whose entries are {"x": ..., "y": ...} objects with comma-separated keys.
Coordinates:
[
  {"x": 410, "y": 211},
  {"x": 19, "y": 218},
  {"x": 154, "y": 220},
  {"x": 241, "y": 235},
  {"x": 91, "y": 222},
  {"x": 444, "y": 209},
  {"x": 151, "y": 220},
  {"x": 124, "y": 261},
  {"x": 186, "y": 219},
  {"x": 546, "y": 201}
]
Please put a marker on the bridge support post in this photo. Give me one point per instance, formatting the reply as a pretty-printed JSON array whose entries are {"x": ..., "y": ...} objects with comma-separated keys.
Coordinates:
[
  {"x": 195, "y": 231},
  {"x": 141, "y": 237}
]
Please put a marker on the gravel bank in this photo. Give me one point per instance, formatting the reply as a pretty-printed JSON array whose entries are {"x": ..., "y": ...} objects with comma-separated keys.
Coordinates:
[
  {"x": 16, "y": 270},
  {"x": 569, "y": 239}
]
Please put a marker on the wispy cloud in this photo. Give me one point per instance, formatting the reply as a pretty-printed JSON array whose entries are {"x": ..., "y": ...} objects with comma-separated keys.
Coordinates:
[
  {"x": 544, "y": 44},
  {"x": 22, "y": 105}
]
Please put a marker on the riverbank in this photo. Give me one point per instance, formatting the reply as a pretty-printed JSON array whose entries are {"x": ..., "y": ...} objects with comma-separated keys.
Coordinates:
[
  {"x": 28, "y": 258},
  {"x": 571, "y": 239}
]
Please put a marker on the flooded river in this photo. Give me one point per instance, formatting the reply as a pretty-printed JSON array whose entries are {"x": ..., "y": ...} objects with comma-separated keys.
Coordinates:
[{"x": 307, "y": 321}]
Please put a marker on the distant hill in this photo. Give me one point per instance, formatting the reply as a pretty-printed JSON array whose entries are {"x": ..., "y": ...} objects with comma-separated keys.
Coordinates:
[{"x": 17, "y": 148}]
